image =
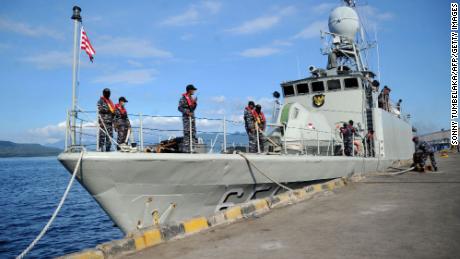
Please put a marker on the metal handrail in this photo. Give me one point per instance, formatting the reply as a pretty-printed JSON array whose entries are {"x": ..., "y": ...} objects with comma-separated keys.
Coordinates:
[{"x": 218, "y": 133}]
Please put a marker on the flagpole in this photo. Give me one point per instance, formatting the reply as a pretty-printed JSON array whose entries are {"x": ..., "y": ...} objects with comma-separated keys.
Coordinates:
[{"x": 76, "y": 37}]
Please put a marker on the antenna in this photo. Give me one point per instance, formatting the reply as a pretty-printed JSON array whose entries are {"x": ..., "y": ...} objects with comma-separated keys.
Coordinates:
[{"x": 378, "y": 54}]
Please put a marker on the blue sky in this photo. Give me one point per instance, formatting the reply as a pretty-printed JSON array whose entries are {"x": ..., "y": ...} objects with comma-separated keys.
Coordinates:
[{"x": 231, "y": 50}]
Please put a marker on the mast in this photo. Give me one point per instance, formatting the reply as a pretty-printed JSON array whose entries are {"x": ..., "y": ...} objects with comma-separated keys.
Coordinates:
[{"x": 76, "y": 51}]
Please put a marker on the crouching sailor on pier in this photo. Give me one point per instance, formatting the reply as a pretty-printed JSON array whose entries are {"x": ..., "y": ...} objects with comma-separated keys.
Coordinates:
[
  {"x": 422, "y": 151},
  {"x": 106, "y": 111},
  {"x": 187, "y": 106},
  {"x": 121, "y": 123}
]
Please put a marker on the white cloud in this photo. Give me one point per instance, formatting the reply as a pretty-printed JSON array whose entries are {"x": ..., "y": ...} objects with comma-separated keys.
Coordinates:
[
  {"x": 256, "y": 25},
  {"x": 288, "y": 10},
  {"x": 259, "y": 52},
  {"x": 28, "y": 30},
  {"x": 286, "y": 43},
  {"x": 135, "y": 63},
  {"x": 130, "y": 77},
  {"x": 48, "y": 134},
  {"x": 218, "y": 99},
  {"x": 312, "y": 30},
  {"x": 50, "y": 60},
  {"x": 129, "y": 47},
  {"x": 371, "y": 17},
  {"x": 264, "y": 22},
  {"x": 186, "y": 36},
  {"x": 189, "y": 17},
  {"x": 194, "y": 14},
  {"x": 323, "y": 8},
  {"x": 212, "y": 6}
]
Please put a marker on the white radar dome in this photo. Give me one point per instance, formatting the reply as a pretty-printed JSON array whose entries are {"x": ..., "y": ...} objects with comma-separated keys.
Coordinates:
[{"x": 344, "y": 21}]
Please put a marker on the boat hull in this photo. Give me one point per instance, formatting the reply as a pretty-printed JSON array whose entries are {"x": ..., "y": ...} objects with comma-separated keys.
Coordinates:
[{"x": 136, "y": 188}]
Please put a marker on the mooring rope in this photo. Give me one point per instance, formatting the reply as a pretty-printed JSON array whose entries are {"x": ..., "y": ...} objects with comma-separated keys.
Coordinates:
[
  {"x": 262, "y": 173},
  {"x": 53, "y": 217}
]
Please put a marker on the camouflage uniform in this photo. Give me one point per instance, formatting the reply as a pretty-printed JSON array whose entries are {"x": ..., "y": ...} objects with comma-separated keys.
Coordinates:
[
  {"x": 121, "y": 123},
  {"x": 106, "y": 119},
  {"x": 369, "y": 144},
  {"x": 347, "y": 134},
  {"x": 249, "y": 123},
  {"x": 261, "y": 124},
  {"x": 423, "y": 149},
  {"x": 187, "y": 109}
]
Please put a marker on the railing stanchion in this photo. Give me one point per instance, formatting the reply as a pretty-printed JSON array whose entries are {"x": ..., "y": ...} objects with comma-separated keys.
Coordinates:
[
  {"x": 284, "y": 139},
  {"x": 66, "y": 130},
  {"x": 225, "y": 134},
  {"x": 317, "y": 142},
  {"x": 353, "y": 145},
  {"x": 302, "y": 142},
  {"x": 191, "y": 137},
  {"x": 81, "y": 132},
  {"x": 343, "y": 144},
  {"x": 257, "y": 135},
  {"x": 97, "y": 134},
  {"x": 141, "y": 132}
]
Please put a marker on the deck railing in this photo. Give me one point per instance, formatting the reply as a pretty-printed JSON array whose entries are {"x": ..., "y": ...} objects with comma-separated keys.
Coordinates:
[{"x": 219, "y": 135}]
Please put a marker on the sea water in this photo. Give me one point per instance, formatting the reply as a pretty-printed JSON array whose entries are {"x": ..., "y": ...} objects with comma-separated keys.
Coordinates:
[{"x": 30, "y": 190}]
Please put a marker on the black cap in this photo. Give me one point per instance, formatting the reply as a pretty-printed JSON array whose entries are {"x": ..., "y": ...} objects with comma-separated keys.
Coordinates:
[
  {"x": 191, "y": 87},
  {"x": 376, "y": 83},
  {"x": 122, "y": 99},
  {"x": 251, "y": 103},
  {"x": 350, "y": 122},
  {"x": 258, "y": 106}
]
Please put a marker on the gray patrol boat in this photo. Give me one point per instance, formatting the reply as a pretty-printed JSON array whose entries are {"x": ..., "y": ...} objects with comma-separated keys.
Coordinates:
[{"x": 139, "y": 189}]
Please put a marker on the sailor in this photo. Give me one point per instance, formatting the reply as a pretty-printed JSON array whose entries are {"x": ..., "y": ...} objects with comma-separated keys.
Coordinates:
[
  {"x": 187, "y": 106},
  {"x": 348, "y": 132},
  {"x": 121, "y": 121},
  {"x": 347, "y": 136},
  {"x": 106, "y": 111},
  {"x": 261, "y": 123},
  {"x": 369, "y": 143},
  {"x": 398, "y": 105},
  {"x": 249, "y": 123},
  {"x": 354, "y": 136},
  {"x": 422, "y": 150},
  {"x": 384, "y": 98}
]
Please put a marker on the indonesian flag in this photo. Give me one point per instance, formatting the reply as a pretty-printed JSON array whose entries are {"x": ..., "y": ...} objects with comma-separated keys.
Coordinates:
[{"x": 86, "y": 45}]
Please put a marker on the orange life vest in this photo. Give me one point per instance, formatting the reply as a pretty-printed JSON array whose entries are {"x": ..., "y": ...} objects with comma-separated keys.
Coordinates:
[
  {"x": 109, "y": 103},
  {"x": 190, "y": 101},
  {"x": 120, "y": 108},
  {"x": 260, "y": 117}
]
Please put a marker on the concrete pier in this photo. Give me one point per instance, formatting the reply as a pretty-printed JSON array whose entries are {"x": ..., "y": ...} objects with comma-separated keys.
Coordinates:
[{"x": 407, "y": 216}]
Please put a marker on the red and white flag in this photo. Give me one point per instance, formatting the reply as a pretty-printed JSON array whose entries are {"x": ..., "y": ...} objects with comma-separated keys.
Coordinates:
[{"x": 86, "y": 45}]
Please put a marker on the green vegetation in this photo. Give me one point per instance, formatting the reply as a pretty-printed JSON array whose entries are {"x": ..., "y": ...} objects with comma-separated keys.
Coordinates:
[{"x": 10, "y": 149}]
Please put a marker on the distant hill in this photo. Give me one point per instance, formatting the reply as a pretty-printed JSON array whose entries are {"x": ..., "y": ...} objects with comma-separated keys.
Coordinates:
[{"x": 11, "y": 149}]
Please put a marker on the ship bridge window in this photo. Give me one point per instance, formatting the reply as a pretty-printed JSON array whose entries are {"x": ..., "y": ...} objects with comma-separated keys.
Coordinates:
[
  {"x": 317, "y": 86},
  {"x": 333, "y": 85},
  {"x": 302, "y": 88},
  {"x": 351, "y": 83},
  {"x": 288, "y": 90}
]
